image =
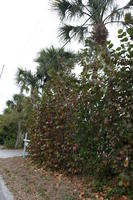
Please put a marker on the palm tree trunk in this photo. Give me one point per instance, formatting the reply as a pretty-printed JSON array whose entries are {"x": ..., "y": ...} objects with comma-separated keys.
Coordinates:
[{"x": 19, "y": 133}]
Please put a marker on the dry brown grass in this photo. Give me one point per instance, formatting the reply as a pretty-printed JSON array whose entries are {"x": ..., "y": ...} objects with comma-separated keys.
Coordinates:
[{"x": 27, "y": 182}]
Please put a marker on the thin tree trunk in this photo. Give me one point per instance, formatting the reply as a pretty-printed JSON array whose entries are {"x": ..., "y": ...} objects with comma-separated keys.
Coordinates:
[{"x": 18, "y": 134}]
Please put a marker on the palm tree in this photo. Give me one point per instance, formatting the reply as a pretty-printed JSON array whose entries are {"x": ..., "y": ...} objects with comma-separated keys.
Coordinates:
[
  {"x": 28, "y": 82},
  {"x": 48, "y": 59},
  {"x": 96, "y": 14},
  {"x": 26, "y": 79},
  {"x": 55, "y": 59}
]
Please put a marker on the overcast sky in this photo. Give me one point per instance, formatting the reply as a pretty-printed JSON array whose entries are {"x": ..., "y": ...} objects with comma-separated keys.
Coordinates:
[{"x": 26, "y": 26}]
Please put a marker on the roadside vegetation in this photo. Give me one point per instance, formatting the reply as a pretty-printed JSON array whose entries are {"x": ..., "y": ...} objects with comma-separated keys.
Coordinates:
[{"x": 80, "y": 126}]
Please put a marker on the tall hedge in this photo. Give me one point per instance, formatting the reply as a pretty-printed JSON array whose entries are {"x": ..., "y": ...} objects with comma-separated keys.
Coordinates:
[
  {"x": 53, "y": 128},
  {"x": 105, "y": 115},
  {"x": 86, "y": 126}
]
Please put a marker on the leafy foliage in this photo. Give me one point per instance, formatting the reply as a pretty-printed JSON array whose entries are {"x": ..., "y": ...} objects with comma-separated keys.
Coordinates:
[
  {"x": 15, "y": 112},
  {"x": 53, "y": 127},
  {"x": 85, "y": 126},
  {"x": 104, "y": 125}
]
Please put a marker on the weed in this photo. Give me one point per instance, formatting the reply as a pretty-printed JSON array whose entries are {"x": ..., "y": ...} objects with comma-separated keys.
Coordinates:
[{"x": 70, "y": 197}]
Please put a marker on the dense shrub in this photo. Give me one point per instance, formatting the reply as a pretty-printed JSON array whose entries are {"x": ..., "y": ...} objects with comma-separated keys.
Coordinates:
[
  {"x": 8, "y": 129},
  {"x": 9, "y": 142},
  {"x": 105, "y": 119},
  {"x": 105, "y": 116},
  {"x": 53, "y": 128}
]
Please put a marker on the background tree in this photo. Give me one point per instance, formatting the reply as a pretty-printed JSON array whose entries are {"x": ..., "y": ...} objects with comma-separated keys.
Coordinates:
[
  {"x": 29, "y": 82},
  {"x": 14, "y": 121},
  {"x": 49, "y": 59},
  {"x": 56, "y": 59}
]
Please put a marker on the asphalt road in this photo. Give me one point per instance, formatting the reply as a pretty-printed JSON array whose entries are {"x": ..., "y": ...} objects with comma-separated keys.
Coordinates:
[
  {"x": 5, "y": 194},
  {"x": 5, "y": 153}
]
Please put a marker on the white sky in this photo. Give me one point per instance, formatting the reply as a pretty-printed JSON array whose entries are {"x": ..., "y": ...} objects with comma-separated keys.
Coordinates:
[{"x": 26, "y": 26}]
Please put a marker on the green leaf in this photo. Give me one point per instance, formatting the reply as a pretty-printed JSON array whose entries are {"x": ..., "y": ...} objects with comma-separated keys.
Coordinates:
[
  {"x": 120, "y": 36},
  {"x": 120, "y": 31},
  {"x": 125, "y": 39},
  {"x": 118, "y": 49},
  {"x": 110, "y": 46},
  {"x": 130, "y": 31}
]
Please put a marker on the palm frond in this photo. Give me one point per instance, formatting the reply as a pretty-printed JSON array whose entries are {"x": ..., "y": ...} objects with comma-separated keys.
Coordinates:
[
  {"x": 115, "y": 14},
  {"x": 93, "y": 8},
  {"x": 97, "y": 8},
  {"x": 25, "y": 78},
  {"x": 61, "y": 7},
  {"x": 68, "y": 9},
  {"x": 105, "y": 7},
  {"x": 67, "y": 32},
  {"x": 130, "y": 4},
  {"x": 10, "y": 104}
]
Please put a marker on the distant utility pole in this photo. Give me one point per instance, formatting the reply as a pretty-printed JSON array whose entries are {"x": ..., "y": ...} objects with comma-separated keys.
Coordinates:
[{"x": 2, "y": 71}]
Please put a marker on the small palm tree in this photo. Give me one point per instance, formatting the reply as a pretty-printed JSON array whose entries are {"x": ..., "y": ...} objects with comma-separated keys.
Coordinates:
[
  {"x": 26, "y": 79},
  {"x": 95, "y": 13},
  {"x": 29, "y": 82}
]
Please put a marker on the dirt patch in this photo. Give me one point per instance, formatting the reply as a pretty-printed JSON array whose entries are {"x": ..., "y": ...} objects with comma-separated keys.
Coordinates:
[{"x": 28, "y": 182}]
